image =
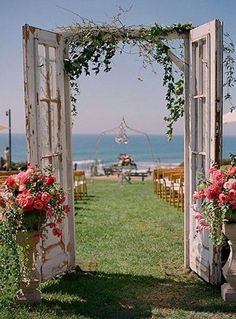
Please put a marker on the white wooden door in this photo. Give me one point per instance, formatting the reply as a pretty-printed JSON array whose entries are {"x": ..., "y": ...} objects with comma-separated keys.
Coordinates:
[
  {"x": 203, "y": 133},
  {"x": 48, "y": 131}
]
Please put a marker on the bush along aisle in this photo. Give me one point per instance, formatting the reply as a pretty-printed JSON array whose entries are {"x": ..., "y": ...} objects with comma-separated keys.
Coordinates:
[
  {"x": 216, "y": 201},
  {"x": 31, "y": 205}
]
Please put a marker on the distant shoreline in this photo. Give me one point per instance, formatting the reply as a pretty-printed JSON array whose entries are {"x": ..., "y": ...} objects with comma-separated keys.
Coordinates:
[{"x": 85, "y": 148}]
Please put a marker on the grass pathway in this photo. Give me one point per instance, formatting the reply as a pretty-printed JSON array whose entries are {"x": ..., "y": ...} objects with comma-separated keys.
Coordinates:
[{"x": 125, "y": 229}]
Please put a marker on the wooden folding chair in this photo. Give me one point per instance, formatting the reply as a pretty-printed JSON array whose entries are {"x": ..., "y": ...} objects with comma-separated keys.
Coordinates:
[
  {"x": 166, "y": 184},
  {"x": 80, "y": 185},
  {"x": 166, "y": 180},
  {"x": 176, "y": 190},
  {"x": 158, "y": 182}
]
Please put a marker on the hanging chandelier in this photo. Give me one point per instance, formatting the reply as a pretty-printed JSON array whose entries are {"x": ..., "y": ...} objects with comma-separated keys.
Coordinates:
[{"x": 122, "y": 137}]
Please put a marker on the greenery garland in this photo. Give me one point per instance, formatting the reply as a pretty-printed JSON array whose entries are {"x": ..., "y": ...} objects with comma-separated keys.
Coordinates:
[
  {"x": 229, "y": 62},
  {"x": 92, "y": 47}
]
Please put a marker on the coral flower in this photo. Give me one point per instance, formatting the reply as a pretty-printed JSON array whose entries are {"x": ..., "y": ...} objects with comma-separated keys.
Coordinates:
[{"x": 231, "y": 170}]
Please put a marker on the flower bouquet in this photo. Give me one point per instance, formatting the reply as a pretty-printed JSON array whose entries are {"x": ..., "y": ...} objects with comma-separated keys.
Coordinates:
[
  {"x": 32, "y": 201},
  {"x": 216, "y": 201},
  {"x": 126, "y": 160}
]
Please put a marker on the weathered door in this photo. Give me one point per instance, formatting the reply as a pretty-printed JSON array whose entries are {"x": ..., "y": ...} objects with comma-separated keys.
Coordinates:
[
  {"x": 203, "y": 119},
  {"x": 48, "y": 131}
]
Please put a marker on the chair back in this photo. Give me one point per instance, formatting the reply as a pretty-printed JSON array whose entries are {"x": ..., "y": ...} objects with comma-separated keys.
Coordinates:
[{"x": 80, "y": 185}]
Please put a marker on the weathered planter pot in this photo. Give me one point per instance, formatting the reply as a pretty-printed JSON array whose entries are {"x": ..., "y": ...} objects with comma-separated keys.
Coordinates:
[
  {"x": 30, "y": 277},
  {"x": 228, "y": 290}
]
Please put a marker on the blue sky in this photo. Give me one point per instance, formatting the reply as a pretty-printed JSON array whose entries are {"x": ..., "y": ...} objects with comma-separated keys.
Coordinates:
[{"x": 106, "y": 98}]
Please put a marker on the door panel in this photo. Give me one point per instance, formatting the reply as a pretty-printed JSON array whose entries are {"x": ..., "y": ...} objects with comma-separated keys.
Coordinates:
[
  {"x": 48, "y": 131},
  {"x": 203, "y": 141}
]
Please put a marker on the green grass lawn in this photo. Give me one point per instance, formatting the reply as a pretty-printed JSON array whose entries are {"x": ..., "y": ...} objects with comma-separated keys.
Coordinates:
[{"x": 130, "y": 248}]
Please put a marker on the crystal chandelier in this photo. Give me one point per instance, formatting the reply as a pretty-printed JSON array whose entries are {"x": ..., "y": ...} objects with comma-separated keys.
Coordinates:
[{"x": 122, "y": 137}]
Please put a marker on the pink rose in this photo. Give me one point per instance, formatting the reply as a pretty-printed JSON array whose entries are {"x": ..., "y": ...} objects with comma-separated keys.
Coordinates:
[
  {"x": 26, "y": 202},
  {"x": 227, "y": 185},
  {"x": 232, "y": 194},
  {"x": 212, "y": 192},
  {"x": 38, "y": 204},
  {"x": 198, "y": 195},
  {"x": 45, "y": 197},
  {"x": 219, "y": 177},
  {"x": 233, "y": 184},
  {"x": 223, "y": 198},
  {"x": 23, "y": 178},
  {"x": 49, "y": 180},
  {"x": 230, "y": 184},
  {"x": 10, "y": 181}
]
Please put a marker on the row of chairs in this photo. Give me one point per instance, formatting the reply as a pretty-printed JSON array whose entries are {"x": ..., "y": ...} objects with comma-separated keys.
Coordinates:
[
  {"x": 80, "y": 185},
  {"x": 169, "y": 185}
]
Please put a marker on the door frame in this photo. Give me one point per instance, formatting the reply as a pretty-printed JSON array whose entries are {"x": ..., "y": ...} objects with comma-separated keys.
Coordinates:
[{"x": 216, "y": 90}]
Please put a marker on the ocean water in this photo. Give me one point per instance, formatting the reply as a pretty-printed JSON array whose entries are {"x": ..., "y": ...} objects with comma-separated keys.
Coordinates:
[{"x": 87, "y": 148}]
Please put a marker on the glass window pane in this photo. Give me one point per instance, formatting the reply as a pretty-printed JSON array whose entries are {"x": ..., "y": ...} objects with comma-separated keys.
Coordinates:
[
  {"x": 52, "y": 73},
  {"x": 42, "y": 72}
]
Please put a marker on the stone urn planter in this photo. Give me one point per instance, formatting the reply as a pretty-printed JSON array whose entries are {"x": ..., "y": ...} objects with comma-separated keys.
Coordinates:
[
  {"x": 228, "y": 290},
  {"x": 29, "y": 292}
]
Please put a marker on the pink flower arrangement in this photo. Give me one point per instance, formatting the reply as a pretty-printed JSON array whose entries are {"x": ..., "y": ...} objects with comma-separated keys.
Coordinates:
[
  {"x": 216, "y": 201},
  {"x": 32, "y": 200}
]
